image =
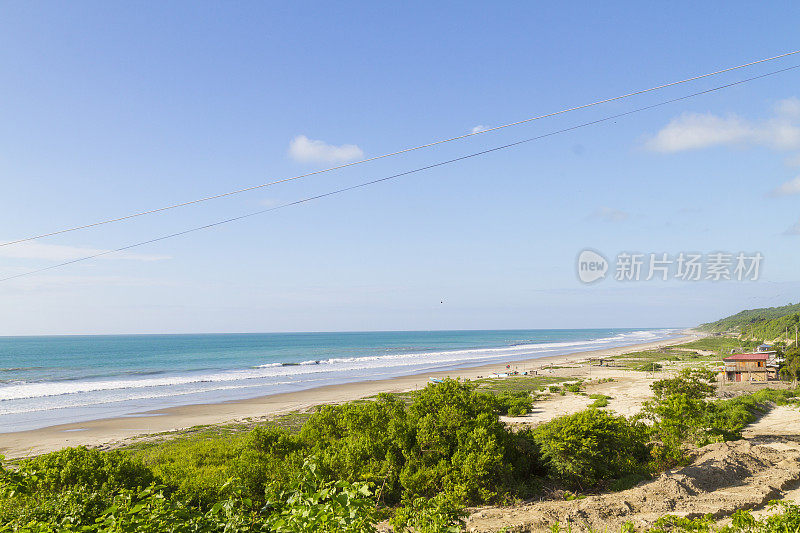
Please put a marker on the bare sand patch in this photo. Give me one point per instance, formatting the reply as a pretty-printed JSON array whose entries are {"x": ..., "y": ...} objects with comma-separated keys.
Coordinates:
[
  {"x": 781, "y": 420},
  {"x": 724, "y": 477}
]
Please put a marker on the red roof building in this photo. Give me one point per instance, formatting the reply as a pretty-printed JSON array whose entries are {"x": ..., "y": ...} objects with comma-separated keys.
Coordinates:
[
  {"x": 750, "y": 367},
  {"x": 747, "y": 357}
]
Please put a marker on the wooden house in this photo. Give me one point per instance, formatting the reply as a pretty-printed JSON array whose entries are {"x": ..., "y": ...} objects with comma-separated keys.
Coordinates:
[{"x": 749, "y": 367}]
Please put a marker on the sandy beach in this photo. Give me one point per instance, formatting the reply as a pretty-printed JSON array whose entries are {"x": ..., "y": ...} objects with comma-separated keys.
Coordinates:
[{"x": 113, "y": 431}]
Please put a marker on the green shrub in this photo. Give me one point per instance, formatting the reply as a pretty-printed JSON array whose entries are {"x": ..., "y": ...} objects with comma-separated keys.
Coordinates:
[
  {"x": 440, "y": 514},
  {"x": 682, "y": 413},
  {"x": 600, "y": 400},
  {"x": 71, "y": 486},
  {"x": 742, "y": 521},
  {"x": 588, "y": 448},
  {"x": 514, "y": 403},
  {"x": 693, "y": 382},
  {"x": 87, "y": 468},
  {"x": 649, "y": 367},
  {"x": 197, "y": 467},
  {"x": 459, "y": 444},
  {"x": 310, "y": 503}
]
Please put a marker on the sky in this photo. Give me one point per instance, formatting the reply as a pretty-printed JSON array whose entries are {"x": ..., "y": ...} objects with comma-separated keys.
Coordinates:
[{"x": 111, "y": 108}]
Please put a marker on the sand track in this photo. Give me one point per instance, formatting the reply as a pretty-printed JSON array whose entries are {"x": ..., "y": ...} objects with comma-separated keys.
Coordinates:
[{"x": 724, "y": 477}]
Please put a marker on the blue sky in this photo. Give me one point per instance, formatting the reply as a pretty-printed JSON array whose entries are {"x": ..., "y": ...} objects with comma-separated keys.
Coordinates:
[{"x": 111, "y": 108}]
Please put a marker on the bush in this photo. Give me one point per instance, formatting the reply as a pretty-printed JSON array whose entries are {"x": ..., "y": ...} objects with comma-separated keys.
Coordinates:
[
  {"x": 600, "y": 400},
  {"x": 696, "y": 383},
  {"x": 590, "y": 447},
  {"x": 742, "y": 521},
  {"x": 440, "y": 514},
  {"x": 447, "y": 439},
  {"x": 649, "y": 367},
  {"x": 514, "y": 403},
  {"x": 72, "y": 486},
  {"x": 459, "y": 444},
  {"x": 682, "y": 414},
  {"x": 310, "y": 503},
  {"x": 89, "y": 469}
]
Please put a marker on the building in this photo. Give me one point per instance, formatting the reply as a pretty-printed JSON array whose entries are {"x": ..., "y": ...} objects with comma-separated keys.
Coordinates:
[{"x": 750, "y": 367}]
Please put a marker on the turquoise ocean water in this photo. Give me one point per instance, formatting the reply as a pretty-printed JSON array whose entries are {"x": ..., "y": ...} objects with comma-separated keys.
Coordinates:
[{"x": 53, "y": 380}]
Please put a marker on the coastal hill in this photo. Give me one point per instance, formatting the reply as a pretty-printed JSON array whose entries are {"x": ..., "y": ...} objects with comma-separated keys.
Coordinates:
[{"x": 769, "y": 323}]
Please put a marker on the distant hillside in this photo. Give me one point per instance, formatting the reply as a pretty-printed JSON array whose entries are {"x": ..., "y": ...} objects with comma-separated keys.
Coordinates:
[{"x": 769, "y": 323}]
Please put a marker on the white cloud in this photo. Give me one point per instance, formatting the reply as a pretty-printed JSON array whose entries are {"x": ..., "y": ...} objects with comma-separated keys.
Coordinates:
[
  {"x": 479, "y": 128},
  {"x": 794, "y": 230},
  {"x": 692, "y": 131},
  {"x": 695, "y": 130},
  {"x": 789, "y": 107},
  {"x": 57, "y": 252},
  {"x": 788, "y": 188},
  {"x": 308, "y": 150},
  {"x": 608, "y": 214}
]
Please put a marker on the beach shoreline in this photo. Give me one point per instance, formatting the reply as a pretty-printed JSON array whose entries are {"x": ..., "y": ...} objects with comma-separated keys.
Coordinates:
[{"x": 117, "y": 430}]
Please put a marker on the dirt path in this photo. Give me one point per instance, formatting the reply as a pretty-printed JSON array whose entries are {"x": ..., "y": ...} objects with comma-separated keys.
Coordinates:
[
  {"x": 746, "y": 474},
  {"x": 781, "y": 420}
]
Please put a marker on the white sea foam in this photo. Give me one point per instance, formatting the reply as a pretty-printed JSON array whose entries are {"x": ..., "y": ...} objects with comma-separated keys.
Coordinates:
[{"x": 270, "y": 373}]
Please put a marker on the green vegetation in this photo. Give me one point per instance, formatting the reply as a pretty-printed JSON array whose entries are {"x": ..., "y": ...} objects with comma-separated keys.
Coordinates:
[
  {"x": 591, "y": 447},
  {"x": 427, "y": 457},
  {"x": 416, "y": 460},
  {"x": 600, "y": 400},
  {"x": 744, "y": 319},
  {"x": 683, "y": 412},
  {"x": 720, "y": 345},
  {"x": 649, "y": 367},
  {"x": 786, "y": 521},
  {"x": 743, "y": 521},
  {"x": 653, "y": 360},
  {"x": 771, "y": 323},
  {"x": 528, "y": 384}
]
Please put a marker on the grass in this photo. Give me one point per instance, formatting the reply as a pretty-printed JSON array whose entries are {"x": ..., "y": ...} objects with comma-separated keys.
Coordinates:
[
  {"x": 600, "y": 400},
  {"x": 720, "y": 345},
  {"x": 228, "y": 433},
  {"x": 644, "y": 361},
  {"x": 516, "y": 383}
]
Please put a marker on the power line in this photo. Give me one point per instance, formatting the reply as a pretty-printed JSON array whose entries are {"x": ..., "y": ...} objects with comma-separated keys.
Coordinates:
[
  {"x": 394, "y": 176},
  {"x": 391, "y": 154}
]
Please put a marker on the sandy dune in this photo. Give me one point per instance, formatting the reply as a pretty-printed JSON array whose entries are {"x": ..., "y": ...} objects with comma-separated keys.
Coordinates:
[{"x": 745, "y": 474}]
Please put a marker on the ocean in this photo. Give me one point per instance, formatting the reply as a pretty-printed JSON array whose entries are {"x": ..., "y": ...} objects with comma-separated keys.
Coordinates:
[{"x": 52, "y": 380}]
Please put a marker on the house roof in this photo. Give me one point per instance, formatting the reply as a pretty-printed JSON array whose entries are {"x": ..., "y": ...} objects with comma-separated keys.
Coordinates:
[{"x": 747, "y": 357}]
